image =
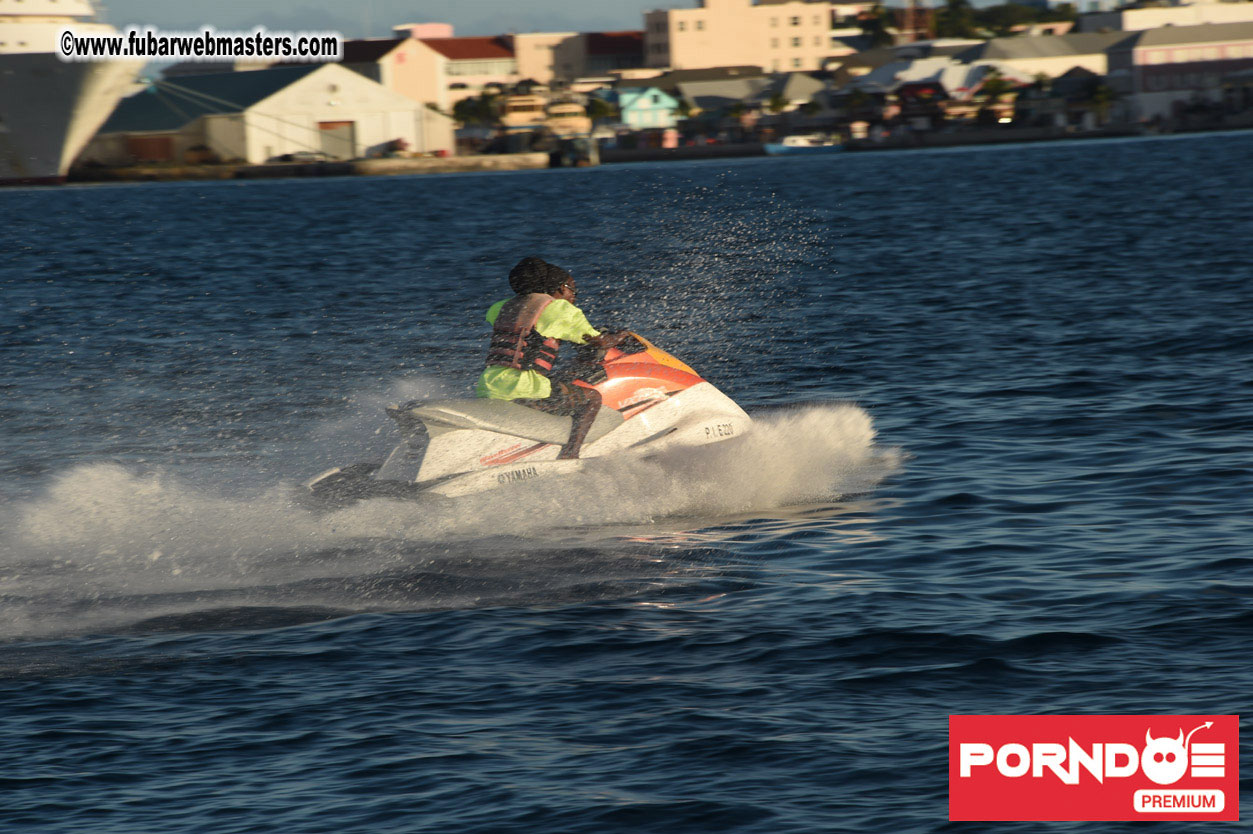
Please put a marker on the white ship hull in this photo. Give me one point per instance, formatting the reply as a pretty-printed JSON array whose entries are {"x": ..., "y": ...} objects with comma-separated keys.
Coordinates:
[{"x": 49, "y": 110}]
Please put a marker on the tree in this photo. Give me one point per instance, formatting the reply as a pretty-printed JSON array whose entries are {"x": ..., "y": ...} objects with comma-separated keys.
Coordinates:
[
  {"x": 1061, "y": 12},
  {"x": 857, "y": 101},
  {"x": 683, "y": 110},
  {"x": 956, "y": 20},
  {"x": 994, "y": 86},
  {"x": 600, "y": 110},
  {"x": 1101, "y": 98},
  {"x": 1002, "y": 19},
  {"x": 481, "y": 109},
  {"x": 811, "y": 108},
  {"x": 777, "y": 103},
  {"x": 874, "y": 26}
]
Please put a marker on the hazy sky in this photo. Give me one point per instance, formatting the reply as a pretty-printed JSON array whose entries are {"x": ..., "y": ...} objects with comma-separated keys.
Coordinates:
[{"x": 358, "y": 18}]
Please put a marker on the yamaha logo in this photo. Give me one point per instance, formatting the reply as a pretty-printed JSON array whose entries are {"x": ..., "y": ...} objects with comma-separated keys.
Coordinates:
[{"x": 515, "y": 475}]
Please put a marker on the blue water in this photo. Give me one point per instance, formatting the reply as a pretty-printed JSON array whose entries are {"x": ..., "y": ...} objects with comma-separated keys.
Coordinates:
[{"x": 1002, "y": 464}]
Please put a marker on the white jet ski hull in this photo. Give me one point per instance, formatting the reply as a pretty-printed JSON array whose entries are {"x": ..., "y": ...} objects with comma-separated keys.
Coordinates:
[{"x": 653, "y": 404}]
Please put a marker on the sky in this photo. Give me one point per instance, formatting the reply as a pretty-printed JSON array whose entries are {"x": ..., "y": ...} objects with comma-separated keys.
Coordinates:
[{"x": 374, "y": 18}]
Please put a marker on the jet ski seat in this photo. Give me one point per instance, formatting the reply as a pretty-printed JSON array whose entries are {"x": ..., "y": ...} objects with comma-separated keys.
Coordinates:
[{"x": 504, "y": 417}]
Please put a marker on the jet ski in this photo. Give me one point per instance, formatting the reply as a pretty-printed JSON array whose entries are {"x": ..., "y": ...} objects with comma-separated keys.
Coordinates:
[{"x": 651, "y": 403}]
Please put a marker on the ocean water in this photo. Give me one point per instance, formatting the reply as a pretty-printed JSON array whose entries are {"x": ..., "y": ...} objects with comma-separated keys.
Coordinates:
[{"x": 1001, "y": 464}]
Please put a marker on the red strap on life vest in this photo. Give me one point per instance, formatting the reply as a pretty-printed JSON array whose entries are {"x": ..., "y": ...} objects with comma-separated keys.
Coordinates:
[{"x": 515, "y": 342}]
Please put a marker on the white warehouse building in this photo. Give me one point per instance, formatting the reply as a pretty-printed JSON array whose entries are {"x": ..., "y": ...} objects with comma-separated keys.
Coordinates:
[{"x": 252, "y": 116}]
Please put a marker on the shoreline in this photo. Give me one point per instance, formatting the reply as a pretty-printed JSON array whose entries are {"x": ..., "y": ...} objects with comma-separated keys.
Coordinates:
[
  {"x": 990, "y": 136},
  {"x": 277, "y": 170},
  {"x": 489, "y": 163}
]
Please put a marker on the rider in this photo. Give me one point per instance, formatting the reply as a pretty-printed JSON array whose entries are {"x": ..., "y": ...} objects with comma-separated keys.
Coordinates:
[{"x": 526, "y": 331}]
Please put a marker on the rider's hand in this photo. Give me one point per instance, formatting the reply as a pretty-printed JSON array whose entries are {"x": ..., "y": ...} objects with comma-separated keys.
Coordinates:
[{"x": 608, "y": 340}]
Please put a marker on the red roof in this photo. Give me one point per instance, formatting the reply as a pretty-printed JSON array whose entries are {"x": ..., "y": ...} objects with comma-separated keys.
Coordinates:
[
  {"x": 470, "y": 49},
  {"x": 615, "y": 43}
]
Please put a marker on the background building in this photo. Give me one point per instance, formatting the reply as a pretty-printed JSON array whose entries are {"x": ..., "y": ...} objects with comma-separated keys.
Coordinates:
[
  {"x": 646, "y": 108},
  {"x": 1153, "y": 17},
  {"x": 1177, "y": 65},
  {"x": 545, "y": 56},
  {"x": 254, "y": 116},
  {"x": 471, "y": 65},
  {"x": 402, "y": 65},
  {"x": 1050, "y": 55},
  {"x": 606, "y": 52},
  {"x": 780, "y": 35}
]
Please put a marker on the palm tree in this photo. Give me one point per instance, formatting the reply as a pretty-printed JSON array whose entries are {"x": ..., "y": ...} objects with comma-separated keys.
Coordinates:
[
  {"x": 856, "y": 102},
  {"x": 1101, "y": 99},
  {"x": 481, "y": 109},
  {"x": 956, "y": 20},
  {"x": 994, "y": 86},
  {"x": 600, "y": 110},
  {"x": 875, "y": 27}
]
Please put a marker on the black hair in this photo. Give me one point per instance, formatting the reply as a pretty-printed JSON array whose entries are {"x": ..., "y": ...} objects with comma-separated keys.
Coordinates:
[
  {"x": 534, "y": 274},
  {"x": 556, "y": 277},
  {"x": 529, "y": 275}
]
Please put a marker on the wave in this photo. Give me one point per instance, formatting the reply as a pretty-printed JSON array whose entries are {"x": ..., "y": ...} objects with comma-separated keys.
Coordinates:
[{"x": 104, "y": 545}]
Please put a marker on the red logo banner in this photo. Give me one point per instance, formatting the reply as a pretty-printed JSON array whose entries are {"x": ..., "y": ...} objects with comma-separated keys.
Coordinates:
[{"x": 1093, "y": 767}]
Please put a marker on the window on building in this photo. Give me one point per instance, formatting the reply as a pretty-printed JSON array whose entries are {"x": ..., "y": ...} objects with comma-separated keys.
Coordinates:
[
  {"x": 796, "y": 41},
  {"x": 817, "y": 40},
  {"x": 796, "y": 21},
  {"x": 796, "y": 62},
  {"x": 656, "y": 98},
  {"x": 682, "y": 26},
  {"x": 700, "y": 24},
  {"x": 774, "y": 21},
  {"x": 774, "y": 43},
  {"x": 505, "y": 67}
]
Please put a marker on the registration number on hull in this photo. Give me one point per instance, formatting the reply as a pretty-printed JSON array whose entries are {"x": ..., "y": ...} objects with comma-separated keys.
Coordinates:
[{"x": 719, "y": 430}]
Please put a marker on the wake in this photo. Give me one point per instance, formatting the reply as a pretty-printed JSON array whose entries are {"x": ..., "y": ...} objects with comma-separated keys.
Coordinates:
[{"x": 104, "y": 545}]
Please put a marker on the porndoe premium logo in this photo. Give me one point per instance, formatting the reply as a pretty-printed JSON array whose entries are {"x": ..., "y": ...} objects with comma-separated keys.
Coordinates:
[{"x": 1093, "y": 767}]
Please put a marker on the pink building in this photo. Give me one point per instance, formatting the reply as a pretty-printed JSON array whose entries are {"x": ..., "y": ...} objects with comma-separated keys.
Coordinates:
[
  {"x": 779, "y": 35},
  {"x": 1175, "y": 65},
  {"x": 423, "y": 30},
  {"x": 471, "y": 64}
]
